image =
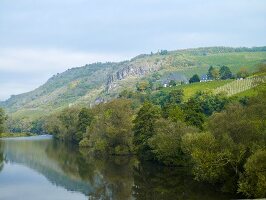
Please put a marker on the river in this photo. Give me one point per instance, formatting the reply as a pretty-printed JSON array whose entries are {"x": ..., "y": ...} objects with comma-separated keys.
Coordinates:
[{"x": 40, "y": 168}]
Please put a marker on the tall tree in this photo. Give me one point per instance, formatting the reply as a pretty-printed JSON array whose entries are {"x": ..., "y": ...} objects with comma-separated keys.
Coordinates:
[
  {"x": 213, "y": 73},
  {"x": 144, "y": 125},
  {"x": 225, "y": 73},
  {"x": 166, "y": 142},
  {"x": 210, "y": 72},
  {"x": 195, "y": 78},
  {"x": 111, "y": 130},
  {"x": 2, "y": 120},
  {"x": 85, "y": 118}
]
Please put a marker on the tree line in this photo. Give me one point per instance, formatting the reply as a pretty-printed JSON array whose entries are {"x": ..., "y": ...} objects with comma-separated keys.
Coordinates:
[{"x": 222, "y": 140}]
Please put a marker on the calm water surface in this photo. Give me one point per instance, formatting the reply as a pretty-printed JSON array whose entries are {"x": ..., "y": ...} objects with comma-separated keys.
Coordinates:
[{"x": 39, "y": 168}]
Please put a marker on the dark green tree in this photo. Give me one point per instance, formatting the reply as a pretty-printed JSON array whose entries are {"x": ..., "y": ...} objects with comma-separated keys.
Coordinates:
[
  {"x": 175, "y": 97},
  {"x": 225, "y": 73},
  {"x": 193, "y": 113},
  {"x": 195, "y": 78},
  {"x": 210, "y": 102},
  {"x": 144, "y": 124},
  {"x": 85, "y": 118},
  {"x": 210, "y": 72},
  {"x": 2, "y": 120},
  {"x": 172, "y": 83},
  {"x": 252, "y": 182}
]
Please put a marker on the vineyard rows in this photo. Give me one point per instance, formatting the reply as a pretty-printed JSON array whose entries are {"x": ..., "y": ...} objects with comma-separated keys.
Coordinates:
[{"x": 240, "y": 85}]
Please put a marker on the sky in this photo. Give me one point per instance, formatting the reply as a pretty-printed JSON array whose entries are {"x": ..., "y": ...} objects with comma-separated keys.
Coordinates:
[{"x": 39, "y": 38}]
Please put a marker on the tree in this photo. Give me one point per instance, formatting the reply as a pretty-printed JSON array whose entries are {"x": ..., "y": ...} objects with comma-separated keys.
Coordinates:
[
  {"x": 208, "y": 156},
  {"x": 144, "y": 129},
  {"x": 213, "y": 73},
  {"x": 195, "y": 78},
  {"x": 166, "y": 142},
  {"x": 242, "y": 73},
  {"x": 85, "y": 118},
  {"x": 111, "y": 130},
  {"x": 193, "y": 113},
  {"x": 209, "y": 102},
  {"x": 253, "y": 181},
  {"x": 225, "y": 73},
  {"x": 172, "y": 83},
  {"x": 175, "y": 97},
  {"x": 210, "y": 72},
  {"x": 142, "y": 86},
  {"x": 219, "y": 156},
  {"x": 37, "y": 126},
  {"x": 163, "y": 52},
  {"x": 3, "y": 118}
]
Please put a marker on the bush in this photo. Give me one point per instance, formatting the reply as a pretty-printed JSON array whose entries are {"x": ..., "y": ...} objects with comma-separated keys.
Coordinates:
[
  {"x": 166, "y": 142},
  {"x": 195, "y": 78},
  {"x": 84, "y": 142},
  {"x": 253, "y": 181}
]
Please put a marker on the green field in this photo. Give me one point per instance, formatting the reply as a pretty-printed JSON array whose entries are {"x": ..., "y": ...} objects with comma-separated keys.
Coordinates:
[{"x": 190, "y": 89}]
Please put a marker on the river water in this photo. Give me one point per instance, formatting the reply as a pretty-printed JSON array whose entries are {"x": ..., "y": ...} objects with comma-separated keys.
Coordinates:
[{"x": 40, "y": 168}]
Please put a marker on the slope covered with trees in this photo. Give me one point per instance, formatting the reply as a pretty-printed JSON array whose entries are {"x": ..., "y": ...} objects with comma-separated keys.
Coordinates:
[{"x": 98, "y": 82}]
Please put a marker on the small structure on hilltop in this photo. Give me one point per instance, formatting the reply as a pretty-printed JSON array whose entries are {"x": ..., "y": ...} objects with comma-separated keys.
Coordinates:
[{"x": 204, "y": 78}]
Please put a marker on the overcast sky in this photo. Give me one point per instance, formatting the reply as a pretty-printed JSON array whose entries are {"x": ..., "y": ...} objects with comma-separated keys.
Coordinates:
[{"x": 39, "y": 38}]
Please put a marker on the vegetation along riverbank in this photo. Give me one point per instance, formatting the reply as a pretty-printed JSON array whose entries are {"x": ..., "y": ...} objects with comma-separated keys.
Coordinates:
[{"x": 215, "y": 127}]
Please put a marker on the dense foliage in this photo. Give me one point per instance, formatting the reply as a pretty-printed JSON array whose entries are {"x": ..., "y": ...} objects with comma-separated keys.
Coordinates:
[
  {"x": 195, "y": 78},
  {"x": 84, "y": 85},
  {"x": 111, "y": 129},
  {"x": 221, "y": 139},
  {"x": 2, "y": 120},
  {"x": 231, "y": 150}
]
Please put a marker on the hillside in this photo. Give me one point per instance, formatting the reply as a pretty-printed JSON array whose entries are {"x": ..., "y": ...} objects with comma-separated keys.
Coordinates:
[{"x": 94, "y": 83}]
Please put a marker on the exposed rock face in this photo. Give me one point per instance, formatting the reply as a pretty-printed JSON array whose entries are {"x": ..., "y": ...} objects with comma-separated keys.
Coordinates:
[{"x": 130, "y": 70}]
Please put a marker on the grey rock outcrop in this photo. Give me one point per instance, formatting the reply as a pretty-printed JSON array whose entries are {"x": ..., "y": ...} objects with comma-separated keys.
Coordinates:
[{"x": 130, "y": 70}]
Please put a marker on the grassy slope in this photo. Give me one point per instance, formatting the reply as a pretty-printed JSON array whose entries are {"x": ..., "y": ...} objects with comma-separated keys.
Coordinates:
[
  {"x": 190, "y": 89},
  {"x": 83, "y": 85}
]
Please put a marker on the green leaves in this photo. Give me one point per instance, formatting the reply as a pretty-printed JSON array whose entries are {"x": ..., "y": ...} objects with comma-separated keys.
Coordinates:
[
  {"x": 253, "y": 181},
  {"x": 144, "y": 128},
  {"x": 3, "y": 118}
]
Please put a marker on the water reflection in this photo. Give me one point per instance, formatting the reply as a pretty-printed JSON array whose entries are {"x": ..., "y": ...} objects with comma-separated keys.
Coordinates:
[
  {"x": 1, "y": 158},
  {"x": 101, "y": 178}
]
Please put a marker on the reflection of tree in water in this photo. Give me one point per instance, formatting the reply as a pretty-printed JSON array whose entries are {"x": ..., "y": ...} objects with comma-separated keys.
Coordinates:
[
  {"x": 157, "y": 182},
  {"x": 1, "y": 157},
  {"x": 1, "y": 161},
  {"x": 123, "y": 178},
  {"x": 110, "y": 178},
  {"x": 104, "y": 177}
]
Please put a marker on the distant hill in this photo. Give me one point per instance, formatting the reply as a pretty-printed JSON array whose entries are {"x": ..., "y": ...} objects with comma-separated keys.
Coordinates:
[{"x": 98, "y": 82}]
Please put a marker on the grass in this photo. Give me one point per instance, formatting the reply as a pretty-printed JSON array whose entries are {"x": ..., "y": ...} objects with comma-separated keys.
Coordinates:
[
  {"x": 191, "y": 89},
  {"x": 10, "y": 135},
  {"x": 239, "y": 86}
]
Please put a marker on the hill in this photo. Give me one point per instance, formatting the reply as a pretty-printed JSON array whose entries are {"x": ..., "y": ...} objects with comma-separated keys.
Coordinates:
[{"x": 98, "y": 82}]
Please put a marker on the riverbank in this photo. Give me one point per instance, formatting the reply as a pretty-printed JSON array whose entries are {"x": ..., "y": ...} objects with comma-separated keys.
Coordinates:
[{"x": 8, "y": 135}]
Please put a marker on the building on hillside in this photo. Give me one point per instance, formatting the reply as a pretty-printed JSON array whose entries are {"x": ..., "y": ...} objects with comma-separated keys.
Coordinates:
[{"x": 204, "y": 78}]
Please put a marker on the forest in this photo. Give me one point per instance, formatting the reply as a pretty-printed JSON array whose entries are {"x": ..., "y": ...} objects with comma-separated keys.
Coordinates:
[{"x": 221, "y": 139}]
